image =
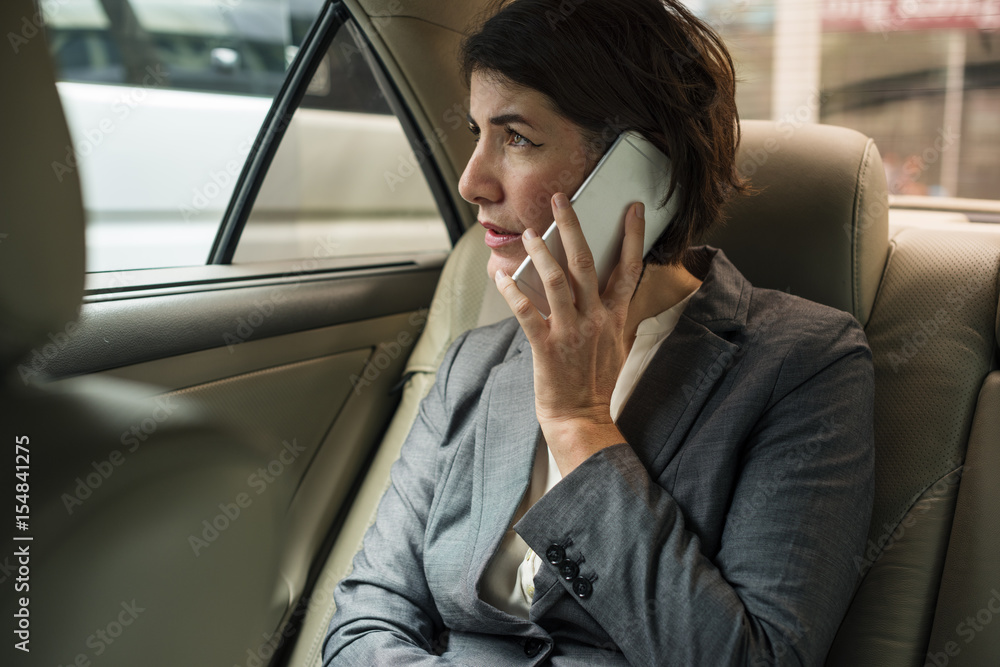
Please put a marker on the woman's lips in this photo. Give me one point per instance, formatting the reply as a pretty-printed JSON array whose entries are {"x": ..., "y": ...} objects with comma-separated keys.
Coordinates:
[{"x": 497, "y": 237}]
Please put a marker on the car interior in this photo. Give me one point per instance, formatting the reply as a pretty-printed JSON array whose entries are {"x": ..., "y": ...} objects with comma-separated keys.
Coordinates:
[{"x": 195, "y": 498}]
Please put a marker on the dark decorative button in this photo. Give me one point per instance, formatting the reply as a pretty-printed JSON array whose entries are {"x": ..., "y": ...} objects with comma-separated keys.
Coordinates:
[
  {"x": 555, "y": 554},
  {"x": 582, "y": 587},
  {"x": 569, "y": 570},
  {"x": 532, "y": 646}
]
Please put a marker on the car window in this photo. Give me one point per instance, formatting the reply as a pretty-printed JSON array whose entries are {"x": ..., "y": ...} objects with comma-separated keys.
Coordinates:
[
  {"x": 164, "y": 99},
  {"x": 920, "y": 78},
  {"x": 344, "y": 181}
]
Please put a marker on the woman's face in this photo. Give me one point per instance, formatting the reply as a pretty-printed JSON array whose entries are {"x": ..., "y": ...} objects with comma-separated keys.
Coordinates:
[{"x": 525, "y": 152}]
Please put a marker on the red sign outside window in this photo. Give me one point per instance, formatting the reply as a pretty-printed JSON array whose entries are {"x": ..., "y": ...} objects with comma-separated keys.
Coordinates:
[{"x": 891, "y": 15}]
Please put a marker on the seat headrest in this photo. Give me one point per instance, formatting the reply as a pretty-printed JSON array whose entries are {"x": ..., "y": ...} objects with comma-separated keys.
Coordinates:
[
  {"x": 818, "y": 226},
  {"x": 41, "y": 212}
]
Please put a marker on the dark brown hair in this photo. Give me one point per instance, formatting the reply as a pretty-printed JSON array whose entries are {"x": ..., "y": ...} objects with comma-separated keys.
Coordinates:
[{"x": 616, "y": 65}]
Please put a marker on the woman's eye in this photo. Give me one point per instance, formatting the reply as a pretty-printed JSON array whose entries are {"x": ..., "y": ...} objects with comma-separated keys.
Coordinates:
[{"x": 519, "y": 140}]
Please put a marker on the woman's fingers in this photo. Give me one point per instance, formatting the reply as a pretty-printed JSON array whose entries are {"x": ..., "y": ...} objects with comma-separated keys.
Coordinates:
[
  {"x": 625, "y": 277},
  {"x": 579, "y": 258},
  {"x": 573, "y": 291},
  {"x": 527, "y": 315},
  {"x": 554, "y": 279}
]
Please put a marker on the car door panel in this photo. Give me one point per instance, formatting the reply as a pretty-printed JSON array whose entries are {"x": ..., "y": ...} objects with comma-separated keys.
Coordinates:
[
  {"x": 309, "y": 378},
  {"x": 133, "y": 326}
]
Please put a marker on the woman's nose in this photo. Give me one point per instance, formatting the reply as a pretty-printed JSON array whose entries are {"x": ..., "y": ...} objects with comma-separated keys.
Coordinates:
[{"x": 479, "y": 183}]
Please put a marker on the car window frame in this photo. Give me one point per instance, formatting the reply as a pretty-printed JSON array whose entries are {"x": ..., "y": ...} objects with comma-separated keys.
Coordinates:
[
  {"x": 334, "y": 16},
  {"x": 219, "y": 269}
]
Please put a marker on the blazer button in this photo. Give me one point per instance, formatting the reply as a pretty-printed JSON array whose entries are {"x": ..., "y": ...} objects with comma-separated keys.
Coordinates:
[
  {"x": 555, "y": 554},
  {"x": 532, "y": 646},
  {"x": 569, "y": 570},
  {"x": 582, "y": 587}
]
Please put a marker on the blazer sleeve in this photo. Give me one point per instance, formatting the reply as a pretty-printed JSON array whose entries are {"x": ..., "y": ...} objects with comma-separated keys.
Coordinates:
[
  {"x": 778, "y": 587},
  {"x": 384, "y": 607}
]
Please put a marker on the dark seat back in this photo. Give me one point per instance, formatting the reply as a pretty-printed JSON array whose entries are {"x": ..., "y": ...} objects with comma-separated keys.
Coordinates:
[{"x": 123, "y": 568}]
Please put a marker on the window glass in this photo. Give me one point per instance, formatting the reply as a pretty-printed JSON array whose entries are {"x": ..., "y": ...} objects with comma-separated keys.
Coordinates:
[
  {"x": 921, "y": 78},
  {"x": 344, "y": 181},
  {"x": 164, "y": 99}
]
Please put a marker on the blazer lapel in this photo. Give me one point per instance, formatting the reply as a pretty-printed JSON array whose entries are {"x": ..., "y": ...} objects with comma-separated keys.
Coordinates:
[
  {"x": 670, "y": 394},
  {"x": 509, "y": 433},
  {"x": 691, "y": 361}
]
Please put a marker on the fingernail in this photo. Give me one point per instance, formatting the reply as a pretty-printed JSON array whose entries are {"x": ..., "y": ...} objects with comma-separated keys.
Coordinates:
[
  {"x": 640, "y": 210},
  {"x": 561, "y": 201},
  {"x": 500, "y": 275},
  {"x": 530, "y": 233}
]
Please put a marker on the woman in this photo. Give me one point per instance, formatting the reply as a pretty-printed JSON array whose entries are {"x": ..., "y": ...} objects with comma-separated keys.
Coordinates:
[{"x": 675, "y": 471}]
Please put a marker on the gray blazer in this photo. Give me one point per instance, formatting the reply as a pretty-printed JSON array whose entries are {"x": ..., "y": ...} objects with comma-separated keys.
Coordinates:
[{"x": 727, "y": 531}]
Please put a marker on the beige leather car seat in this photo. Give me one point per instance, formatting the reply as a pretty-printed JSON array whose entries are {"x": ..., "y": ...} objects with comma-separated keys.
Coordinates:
[
  {"x": 114, "y": 576},
  {"x": 818, "y": 229},
  {"x": 933, "y": 555}
]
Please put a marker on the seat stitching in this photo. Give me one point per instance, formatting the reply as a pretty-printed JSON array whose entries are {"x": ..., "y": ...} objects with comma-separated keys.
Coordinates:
[{"x": 856, "y": 240}]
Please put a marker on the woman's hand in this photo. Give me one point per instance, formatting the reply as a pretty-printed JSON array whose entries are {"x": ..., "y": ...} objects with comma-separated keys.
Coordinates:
[{"x": 580, "y": 349}]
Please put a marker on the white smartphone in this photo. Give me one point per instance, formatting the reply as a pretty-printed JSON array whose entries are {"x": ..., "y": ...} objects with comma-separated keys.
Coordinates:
[{"x": 632, "y": 170}]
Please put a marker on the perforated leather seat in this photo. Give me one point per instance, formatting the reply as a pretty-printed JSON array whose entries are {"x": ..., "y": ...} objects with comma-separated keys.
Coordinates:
[
  {"x": 819, "y": 229},
  {"x": 932, "y": 558}
]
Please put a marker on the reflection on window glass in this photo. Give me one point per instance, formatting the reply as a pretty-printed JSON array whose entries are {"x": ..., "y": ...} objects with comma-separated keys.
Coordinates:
[
  {"x": 921, "y": 78},
  {"x": 164, "y": 99},
  {"x": 344, "y": 181}
]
